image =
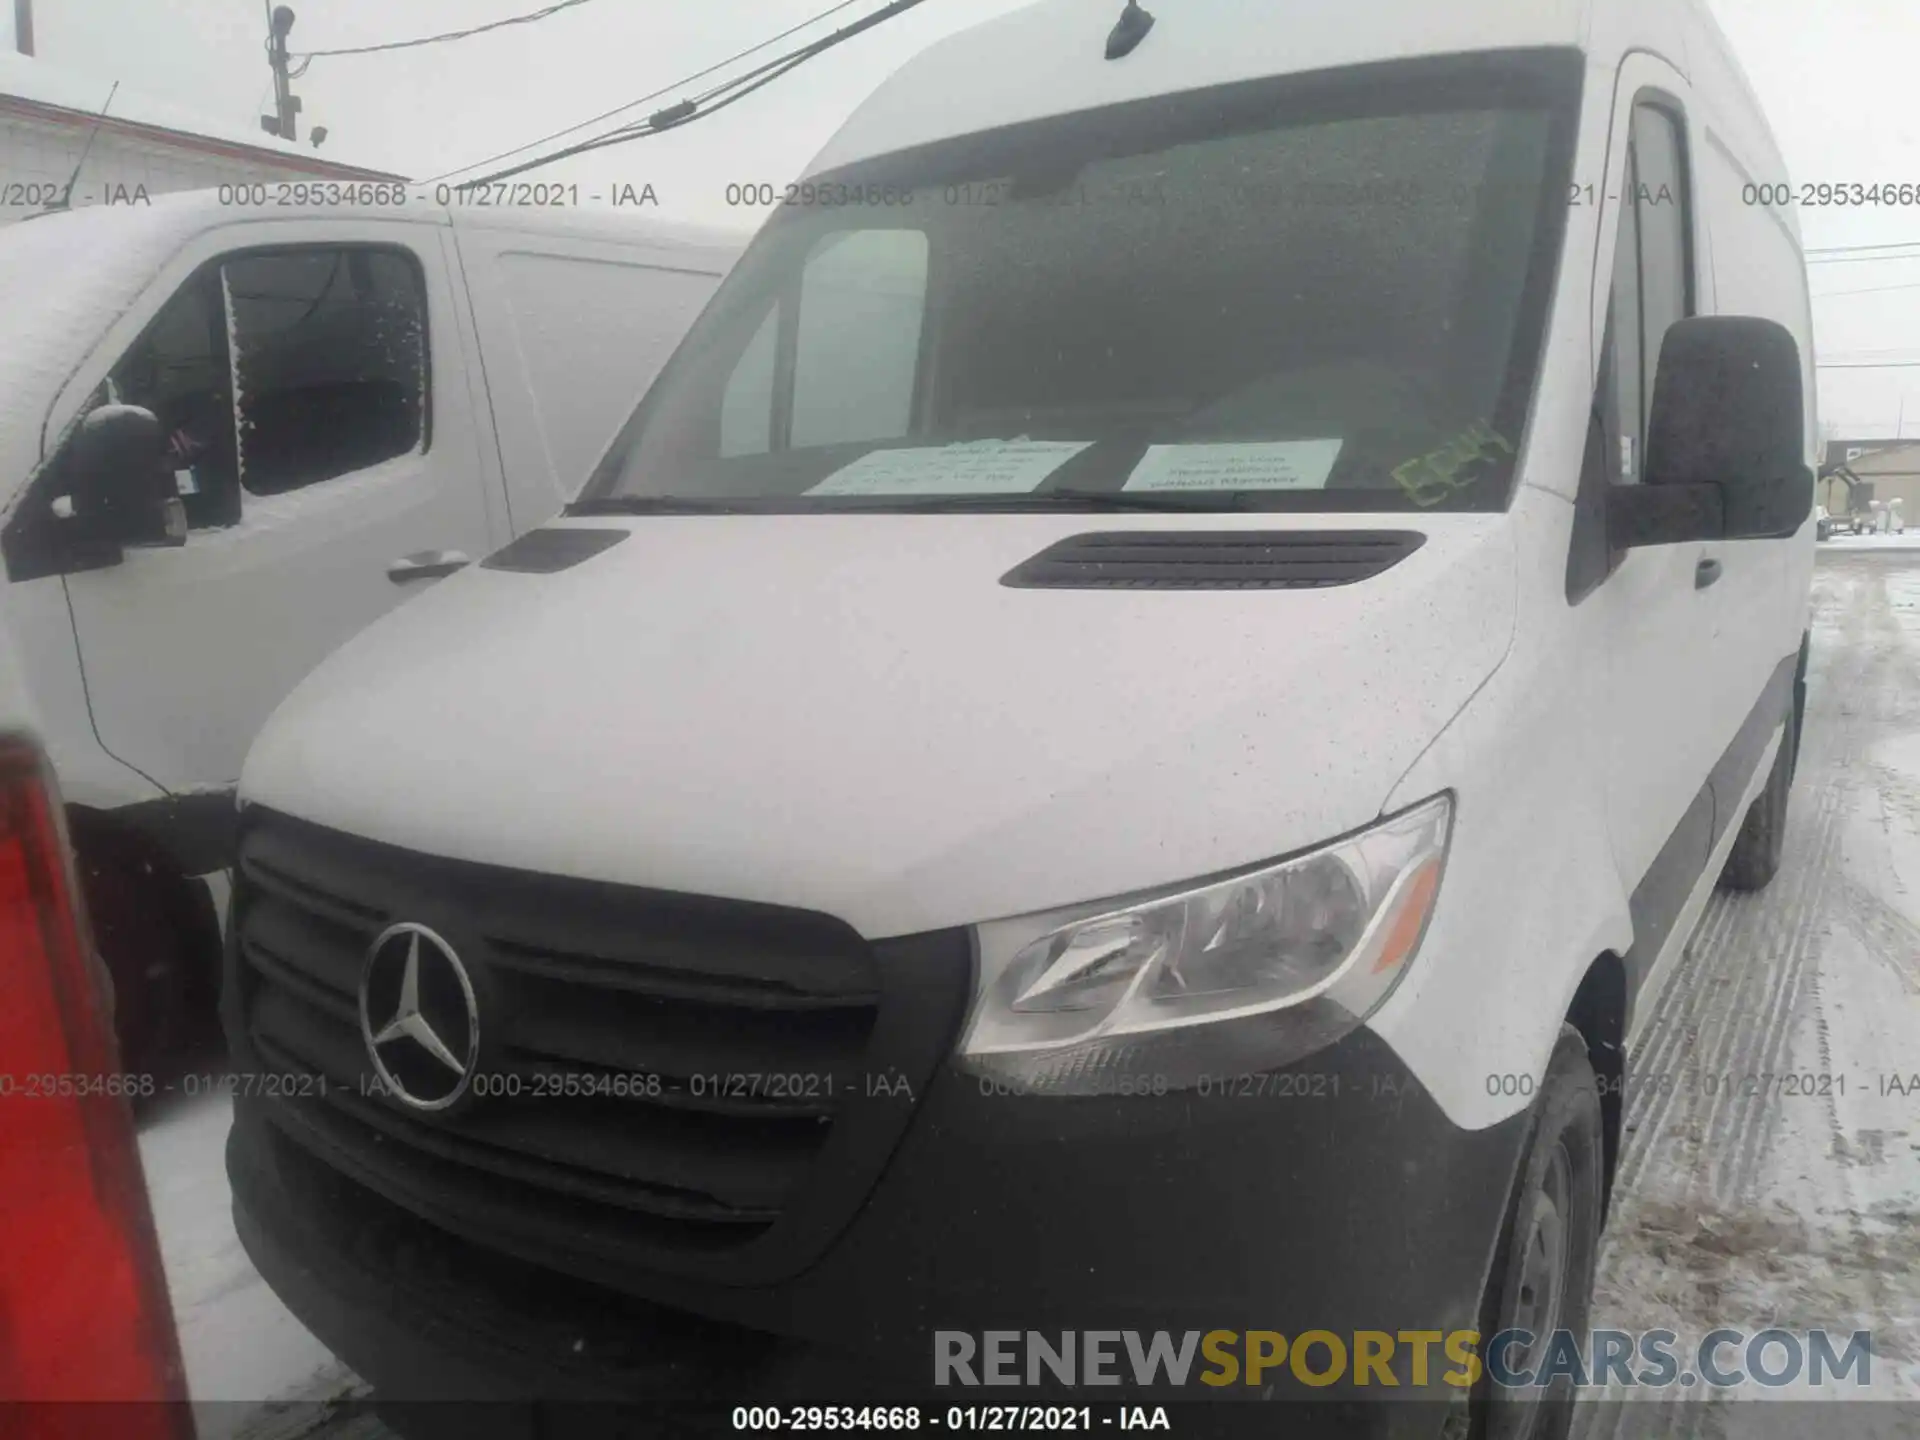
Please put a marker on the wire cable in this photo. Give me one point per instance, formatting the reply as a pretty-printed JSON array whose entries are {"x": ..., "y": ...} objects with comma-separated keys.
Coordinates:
[
  {"x": 1853, "y": 249},
  {"x": 1857, "y": 254},
  {"x": 527, "y": 19},
  {"x": 674, "y": 116},
  {"x": 653, "y": 95},
  {"x": 1869, "y": 290},
  {"x": 655, "y": 126}
]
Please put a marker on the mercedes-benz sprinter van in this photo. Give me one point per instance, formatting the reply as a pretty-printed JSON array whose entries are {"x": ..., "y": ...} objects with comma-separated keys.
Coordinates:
[{"x": 1122, "y": 743}]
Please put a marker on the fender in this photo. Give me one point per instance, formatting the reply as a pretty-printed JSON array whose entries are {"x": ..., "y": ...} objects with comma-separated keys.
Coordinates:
[{"x": 1518, "y": 923}]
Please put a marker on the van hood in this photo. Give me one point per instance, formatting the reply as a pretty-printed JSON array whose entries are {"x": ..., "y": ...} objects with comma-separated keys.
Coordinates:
[{"x": 851, "y": 714}]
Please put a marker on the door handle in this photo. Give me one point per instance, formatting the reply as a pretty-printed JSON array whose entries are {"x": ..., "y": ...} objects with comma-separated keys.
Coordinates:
[
  {"x": 426, "y": 565},
  {"x": 1705, "y": 573}
]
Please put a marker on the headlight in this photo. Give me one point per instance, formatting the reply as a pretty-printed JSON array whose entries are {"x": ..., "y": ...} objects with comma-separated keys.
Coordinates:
[{"x": 1236, "y": 977}]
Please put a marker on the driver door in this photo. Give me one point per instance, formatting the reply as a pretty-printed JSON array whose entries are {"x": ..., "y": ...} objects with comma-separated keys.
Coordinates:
[{"x": 322, "y": 436}]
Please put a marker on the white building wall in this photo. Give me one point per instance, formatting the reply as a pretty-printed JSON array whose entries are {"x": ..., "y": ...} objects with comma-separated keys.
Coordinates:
[{"x": 36, "y": 154}]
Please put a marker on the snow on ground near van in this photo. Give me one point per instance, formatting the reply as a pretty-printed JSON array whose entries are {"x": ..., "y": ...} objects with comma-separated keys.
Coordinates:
[
  {"x": 1908, "y": 539},
  {"x": 239, "y": 1342},
  {"x": 1743, "y": 1204}
]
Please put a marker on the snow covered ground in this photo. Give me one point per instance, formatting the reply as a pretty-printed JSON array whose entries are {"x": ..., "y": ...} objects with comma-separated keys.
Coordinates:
[
  {"x": 1746, "y": 1200},
  {"x": 240, "y": 1344},
  {"x": 1908, "y": 539}
]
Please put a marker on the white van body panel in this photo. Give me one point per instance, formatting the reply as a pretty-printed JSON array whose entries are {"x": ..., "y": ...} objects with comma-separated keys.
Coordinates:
[
  {"x": 181, "y": 654},
  {"x": 1048, "y": 59},
  {"x": 41, "y": 628},
  {"x": 575, "y": 317},
  {"x": 1013, "y": 781}
]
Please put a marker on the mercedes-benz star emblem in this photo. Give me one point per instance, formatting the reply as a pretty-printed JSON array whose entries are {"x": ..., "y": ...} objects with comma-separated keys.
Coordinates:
[{"x": 418, "y": 1016}]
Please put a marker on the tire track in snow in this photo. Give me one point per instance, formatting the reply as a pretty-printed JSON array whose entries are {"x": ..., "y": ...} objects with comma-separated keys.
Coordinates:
[{"x": 1743, "y": 1103}]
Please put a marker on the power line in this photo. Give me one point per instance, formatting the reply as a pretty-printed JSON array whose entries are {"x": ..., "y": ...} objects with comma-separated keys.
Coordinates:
[
  {"x": 1851, "y": 249},
  {"x": 1867, "y": 365},
  {"x": 671, "y": 118},
  {"x": 654, "y": 95},
  {"x": 1911, "y": 254},
  {"x": 527, "y": 19},
  {"x": 681, "y": 113},
  {"x": 1869, "y": 290}
]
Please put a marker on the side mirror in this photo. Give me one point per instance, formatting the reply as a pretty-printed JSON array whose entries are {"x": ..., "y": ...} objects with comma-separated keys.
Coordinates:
[
  {"x": 1726, "y": 444},
  {"x": 122, "y": 491}
]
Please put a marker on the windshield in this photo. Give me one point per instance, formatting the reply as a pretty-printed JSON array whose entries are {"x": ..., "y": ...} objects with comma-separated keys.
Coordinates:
[{"x": 1324, "y": 294}]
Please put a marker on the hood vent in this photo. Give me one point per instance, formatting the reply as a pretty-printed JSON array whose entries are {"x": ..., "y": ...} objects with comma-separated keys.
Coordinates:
[
  {"x": 1214, "y": 560},
  {"x": 543, "y": 552}
]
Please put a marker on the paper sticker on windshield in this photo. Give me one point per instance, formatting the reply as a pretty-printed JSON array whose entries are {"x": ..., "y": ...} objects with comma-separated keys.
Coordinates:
[
  {"x": 1274, "y": 465},
  {"x": 980, "y": 467}
]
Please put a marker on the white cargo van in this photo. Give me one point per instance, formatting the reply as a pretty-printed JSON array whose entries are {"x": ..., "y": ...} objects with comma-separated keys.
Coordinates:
[
  {"x": 333, "y": 409},
  {"x": 1121, "y": 743}
]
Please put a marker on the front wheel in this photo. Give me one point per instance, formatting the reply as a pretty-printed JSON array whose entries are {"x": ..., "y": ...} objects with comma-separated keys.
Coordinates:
[{"x": 1542, "y": 1280}]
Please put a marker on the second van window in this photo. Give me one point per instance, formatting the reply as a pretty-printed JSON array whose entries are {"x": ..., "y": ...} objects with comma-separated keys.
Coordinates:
[{"x": 330, "y": 362}]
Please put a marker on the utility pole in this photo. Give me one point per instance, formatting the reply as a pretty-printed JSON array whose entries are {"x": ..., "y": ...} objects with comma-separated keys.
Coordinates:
[
  {"x": 23, "y": 26},
  {"x": 286, "y": 104}
]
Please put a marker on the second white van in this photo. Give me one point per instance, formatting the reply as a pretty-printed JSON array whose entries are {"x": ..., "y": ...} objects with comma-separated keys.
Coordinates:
[{"x": 233, "y": 432}]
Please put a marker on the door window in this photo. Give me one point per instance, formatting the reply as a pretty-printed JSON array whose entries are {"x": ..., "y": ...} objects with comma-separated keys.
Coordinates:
[
  {"x": 330, "y": 362},
  {"x": 179, "y": 370},
  {"x": 851, "y": 349},
  {"x": 1652, "y": 272},
  {"x": 862, "y": 296}
]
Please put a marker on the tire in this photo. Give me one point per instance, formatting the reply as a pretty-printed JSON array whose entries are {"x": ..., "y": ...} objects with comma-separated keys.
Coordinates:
[
  {"x": 1542, "y": 1277},
  {"x": 1755, "y": 857}
]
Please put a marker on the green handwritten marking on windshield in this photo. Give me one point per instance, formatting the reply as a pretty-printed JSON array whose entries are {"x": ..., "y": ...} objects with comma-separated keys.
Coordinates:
[{"x": 1428, "y": 479}]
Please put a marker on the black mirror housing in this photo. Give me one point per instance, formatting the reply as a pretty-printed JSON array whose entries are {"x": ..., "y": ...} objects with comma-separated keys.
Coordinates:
[
  {"x": 1729, "y": 411},
  {"x": 1640, "y": 515},
  {"x": 122, "y": 491}
]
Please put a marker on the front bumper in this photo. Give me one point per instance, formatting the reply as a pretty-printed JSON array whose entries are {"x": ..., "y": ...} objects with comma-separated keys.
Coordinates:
[{"x": 1332, "y": 1196}]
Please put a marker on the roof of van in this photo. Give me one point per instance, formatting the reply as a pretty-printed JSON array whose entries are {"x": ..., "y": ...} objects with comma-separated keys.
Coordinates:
[
  {"x": 1049, "y": 58},
  {"x": 602, "y": 224},
  {"x": 168, "y": 221}
]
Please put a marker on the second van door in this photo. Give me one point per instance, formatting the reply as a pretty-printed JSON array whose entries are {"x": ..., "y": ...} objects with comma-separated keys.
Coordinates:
[{"x": 324, "y": 440}]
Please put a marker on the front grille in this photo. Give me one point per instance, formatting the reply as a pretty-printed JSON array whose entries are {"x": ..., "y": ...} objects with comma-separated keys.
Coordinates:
[{"x": 768, "y": 1059}]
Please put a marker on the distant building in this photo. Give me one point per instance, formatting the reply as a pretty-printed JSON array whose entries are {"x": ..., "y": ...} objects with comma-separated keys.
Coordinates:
[
  {"x": 1843, "y": 452},
  {"x": 142, "y": 148},
  {"x": 1891, "y": 467}
]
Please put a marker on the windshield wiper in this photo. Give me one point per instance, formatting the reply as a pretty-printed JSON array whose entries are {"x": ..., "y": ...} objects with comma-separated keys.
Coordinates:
[
  {"x": 1182, "y": 502},
  {"x": 655, "y": 505},
  {"x": 1164, "y": 502}
]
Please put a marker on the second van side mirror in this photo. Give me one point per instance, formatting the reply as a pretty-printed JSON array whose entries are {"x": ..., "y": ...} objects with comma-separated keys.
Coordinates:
[
  {"x": 122, "y": 492},
  {"x": 1726, "y": 443}
]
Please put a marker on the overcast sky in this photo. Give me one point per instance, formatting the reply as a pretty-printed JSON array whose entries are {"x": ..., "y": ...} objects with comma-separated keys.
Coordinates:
[{"x": 1837, "y": 79}]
